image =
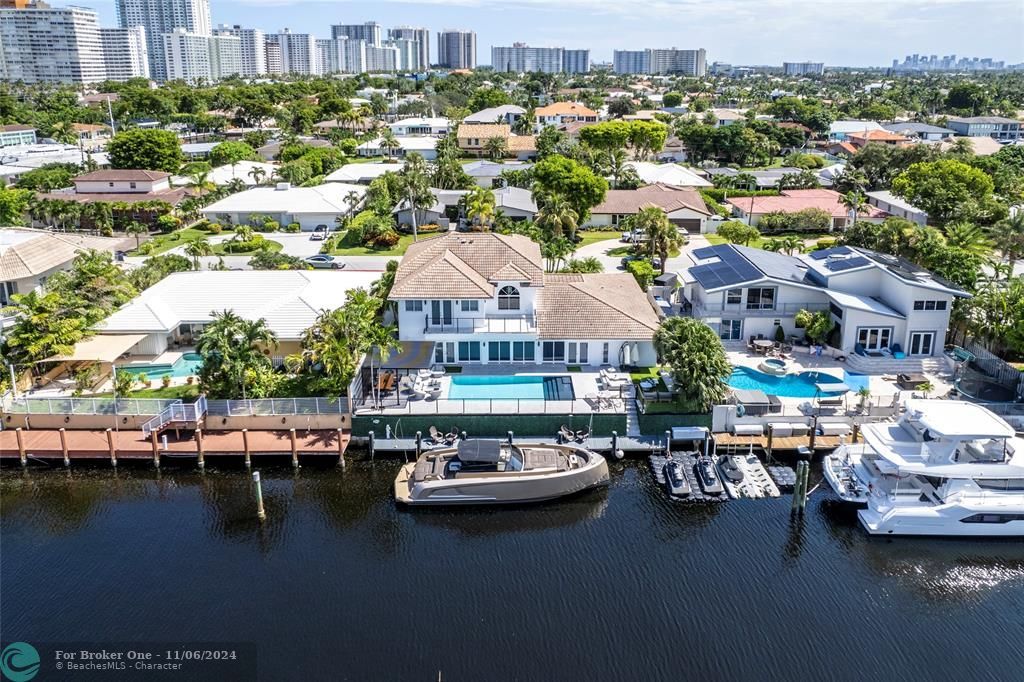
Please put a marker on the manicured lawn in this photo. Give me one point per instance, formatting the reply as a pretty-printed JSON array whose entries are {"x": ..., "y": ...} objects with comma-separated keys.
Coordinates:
[
  {"x": 218, "y": 249},
  {"x": 591, "y": 236},
  {"x": 166, "y": 242},
  {"x": 396, "y": 250},
  {"x": 184, "y": 392},
  {"x": 759, "y": 243}
]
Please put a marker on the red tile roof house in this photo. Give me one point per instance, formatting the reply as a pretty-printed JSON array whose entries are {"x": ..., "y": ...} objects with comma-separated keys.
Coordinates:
[
  {"x": 684, "y": 206},
  {"x": 751, "y": 209}
]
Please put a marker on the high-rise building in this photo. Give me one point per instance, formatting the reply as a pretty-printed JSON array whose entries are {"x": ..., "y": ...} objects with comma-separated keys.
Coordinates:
[
  {"x": 576, "y": 61},
  {"x": 370, "y": 32},
  {"x": 330, "y": 55},
  {"x": 456, "y": 49},
  {"x": 631, "y": 61},
  {"x": 521, "y": 58},
  {"x": 163, "y": 16},
  {"x": 298, "y": 52},
  {"x": 192, "y": 57},
  {"x": 408, "y": 54},
  {"x": 421, "y": 36},
  {"x": 43, "y": 44},
  {"x": 272, "y": 49},
  {"x": 254, "y": 52},
  {"x": 803, "y": 68},
  {"x": 125, "y": 54}
]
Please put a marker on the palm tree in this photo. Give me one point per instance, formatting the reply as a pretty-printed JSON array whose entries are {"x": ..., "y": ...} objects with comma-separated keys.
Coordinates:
[
  {"x": 196, "y": 248},
  {"x": 480, "y": 206},
  {"x": 351, "y": 200},
  {"x": 663, "y": 237},
  {"x": 137, "y": 229},
  {"x": 232, "y": 347},
  {"x": 200, "y": 182},
  {"x": 258, "y": 175},
  {"x": 1008, "y": 237},
  {"x": 855, "y": 202},
  {"x": 613, "y": 163},
  {"x": 384, "y": 339},
  {"x": 791, "y": 243},
  {"x": 555, "y": 215},
  {"x": 496, "y": 148},
  {"x": 389, "y": 143},
  {"x": 415, "y": 187},
  {"x": 243, "y": 233},
  {"x": 968, "y": 237},
  {"x": 745, "y": 180}
]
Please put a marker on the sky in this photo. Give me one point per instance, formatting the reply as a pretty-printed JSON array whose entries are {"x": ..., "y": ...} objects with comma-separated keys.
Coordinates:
[{"x": 837, "y": 32}]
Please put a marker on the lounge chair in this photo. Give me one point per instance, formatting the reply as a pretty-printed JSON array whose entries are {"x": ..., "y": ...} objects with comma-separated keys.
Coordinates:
[
  {"x": 836, "y": 401},
  {"x": 437, "y": 436},
  {"x": 897, "y": 351},
  {"x": 858, "y": 348},
  {"x": 592, "y": 401},
  {"x": 774, "y": 404},
  {"x": 582, "y": 434},
  {"x": 565, "y": 434}
]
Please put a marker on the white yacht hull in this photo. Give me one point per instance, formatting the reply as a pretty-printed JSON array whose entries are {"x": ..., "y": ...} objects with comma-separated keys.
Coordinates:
[
  {"x": 844, "y": 473},
  {"x": 942, "y": 520}
]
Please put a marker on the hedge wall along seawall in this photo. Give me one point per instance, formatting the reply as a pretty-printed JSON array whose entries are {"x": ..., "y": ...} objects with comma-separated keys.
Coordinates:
[{"x": 477, "y": 425}]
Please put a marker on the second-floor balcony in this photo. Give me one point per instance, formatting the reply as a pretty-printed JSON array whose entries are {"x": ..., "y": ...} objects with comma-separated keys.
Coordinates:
[
  {"x": 518, "y": 324},
  {"x": 761, "y": 310}
]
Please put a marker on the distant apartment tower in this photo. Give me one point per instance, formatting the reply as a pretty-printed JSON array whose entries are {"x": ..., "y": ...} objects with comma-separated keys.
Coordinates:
[
  {"x": 456, "y": 49},
  {"x": 631, "y": 61},
  {"x": 803, "y": 68},
  {"x": 330, "y": 55},
  {"x": 272, "y": 50},
  {"x": 163, "y": 16},
  {"x": 191, "y": 57},
  {"x": 420, "y": 35},
  {"x": 521, "y": 58},
  {"x": 43, "y": 44},
  {"x": 370, "y": 32},
  {"x": 125, "y": 54},
  {"x": 407, "y": 54},
  {"x": 298, "y": 52},
  {"x": 576, "y": 61},
  {"x": 254, "y": 50}
]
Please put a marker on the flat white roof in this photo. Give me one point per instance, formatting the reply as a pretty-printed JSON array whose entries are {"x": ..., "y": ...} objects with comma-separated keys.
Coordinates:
[
  {"x": 356, "y": 172},
  {"x": 893, "y": 200},
  {"x": 957, "y": 419},
  {"x": 289, "y": 300},
  {"x": 328, "y": 198},
  {"x": 668, "y": 173},
  {"x": 407, "y": 142},
  {"x": 222, "y": 175},
  {"x": 862, "y": 303}
]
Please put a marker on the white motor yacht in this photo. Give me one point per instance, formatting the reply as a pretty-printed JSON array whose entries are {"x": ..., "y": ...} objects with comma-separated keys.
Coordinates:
[
  {"x": 496, "y": 472},
  {"x": 944, "y": 467}
]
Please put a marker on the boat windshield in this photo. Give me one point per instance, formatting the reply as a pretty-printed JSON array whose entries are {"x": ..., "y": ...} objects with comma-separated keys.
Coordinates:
[{"x": 515, "y": 460}]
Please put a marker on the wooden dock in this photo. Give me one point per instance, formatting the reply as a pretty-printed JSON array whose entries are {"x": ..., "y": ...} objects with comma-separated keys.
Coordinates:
[
  {"x": 778, "y": 443},
  {"x": 83, "y": 445}
]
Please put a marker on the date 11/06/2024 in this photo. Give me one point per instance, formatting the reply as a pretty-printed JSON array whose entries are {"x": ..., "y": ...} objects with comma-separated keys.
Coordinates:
[{"x": 82, "y": 655}]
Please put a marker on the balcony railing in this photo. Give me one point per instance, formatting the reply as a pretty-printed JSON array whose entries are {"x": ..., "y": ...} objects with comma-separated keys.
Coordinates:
[
  {"x": 741, "y": 310},
  {"x": 521, "y": 324}
]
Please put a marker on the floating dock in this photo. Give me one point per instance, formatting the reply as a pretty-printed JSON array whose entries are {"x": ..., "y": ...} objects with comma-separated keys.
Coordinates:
[
  {"x": 689, "y": 461},
  {"x": 755, "y": 481}
]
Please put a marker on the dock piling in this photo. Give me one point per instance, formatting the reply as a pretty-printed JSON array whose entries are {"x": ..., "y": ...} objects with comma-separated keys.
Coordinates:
[
  {"x": 771, "y": 436},
  {"x": 371, "y": 442},
  {"x": 245, "y": 446},
  {"x": 156, "y": 449},
  {"x": 856, "y": 433},
  {"x": 668, "y": 442},
  {"x": 803, "y": 486},
  {"x": 813, "y": 435},
  {"x": 419, "y": 443},
  {"x": 110, "y": 447},
  {"x": 199, "y": 449},
  {"x": 615, "y": 442},
  {"x": 462, "y": 435},
  {"x": 295, "y": 449},
  {"x": 261, "y": 513},
  {"x": 341, "y": 448},
  {"x": 510, "y": 437},
  {"x": 64, "y": 447},
  {"x": 21, "y": 447}
]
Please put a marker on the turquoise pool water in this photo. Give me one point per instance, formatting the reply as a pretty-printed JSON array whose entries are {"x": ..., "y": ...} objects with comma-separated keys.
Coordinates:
[
  {"x": 510, "y": 388},
  {"x": 800, "y": 385},
  {"x": 185, "y": 366}
]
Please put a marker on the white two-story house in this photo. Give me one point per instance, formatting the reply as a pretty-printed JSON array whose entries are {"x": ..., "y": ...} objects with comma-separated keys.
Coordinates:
[
  {"x": 484, "y": 298},
  {"x": 878, "y": 303}
]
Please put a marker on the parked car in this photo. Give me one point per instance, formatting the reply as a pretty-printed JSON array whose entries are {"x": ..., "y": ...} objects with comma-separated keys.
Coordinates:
[
  {"x": 319, "y": 233},
  {"x": 322, "y": 260},
  {"x": 628, "y": 259}
]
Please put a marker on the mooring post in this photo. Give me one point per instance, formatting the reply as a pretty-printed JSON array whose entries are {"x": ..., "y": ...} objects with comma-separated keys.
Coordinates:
[
  {"x": 803, "y": 486},
  {"x": 295, "y": 449},
  {"x": 796, "y": 486},
  {"x": 199, "y": 448},
  {"x": 341, "y": 447},
  {"x": 419, "y": 443},
  {"x": 371, "y": 441},
  {"x": 510, "y": 437},
  {"x": 771, "y": 438},
  {"x": 856, "y": 433},
  {"x": 21, "y": 447},
  {"x": 110, "y": 447},
  {"x": 64, "y": 446},
  {"x": 668, "y": 442},
  {"x": 462, "y": 435},
  {"x": 156, "y": 449},
  {"x": 813, "y": 435},
  {"x": 245, "y": 446},
  {"x": 615, "y": 442},
  {"x": 261, "y": 513}
]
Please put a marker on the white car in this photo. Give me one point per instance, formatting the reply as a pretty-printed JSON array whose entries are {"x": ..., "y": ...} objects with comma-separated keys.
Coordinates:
[{"x": 323, "y": 260}]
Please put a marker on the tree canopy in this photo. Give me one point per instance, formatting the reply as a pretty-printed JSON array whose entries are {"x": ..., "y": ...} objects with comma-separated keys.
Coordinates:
[{"x": 145, "y": 149}]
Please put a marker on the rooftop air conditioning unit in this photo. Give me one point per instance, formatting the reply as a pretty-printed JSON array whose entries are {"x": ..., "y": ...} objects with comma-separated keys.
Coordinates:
[{"x": 283, "y": 185}]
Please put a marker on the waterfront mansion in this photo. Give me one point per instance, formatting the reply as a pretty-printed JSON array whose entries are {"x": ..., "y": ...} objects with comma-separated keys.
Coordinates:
[
  {"x": 485, "y": 298},
  {"x": 879, "y": 304}
]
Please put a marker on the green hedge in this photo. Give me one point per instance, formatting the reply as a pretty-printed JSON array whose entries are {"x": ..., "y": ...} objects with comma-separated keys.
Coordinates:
[
  {"x": 481, "y": 425},
  {"x": 719, "y": 194}
]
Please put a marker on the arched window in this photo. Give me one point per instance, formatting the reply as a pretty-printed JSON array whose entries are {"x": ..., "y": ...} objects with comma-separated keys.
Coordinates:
[{"x": 508, "y": 298}]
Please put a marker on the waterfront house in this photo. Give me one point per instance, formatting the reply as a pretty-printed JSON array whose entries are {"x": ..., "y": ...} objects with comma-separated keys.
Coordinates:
[
  {"x": 560, "y": 113},
  {"x": 879, "y": 303},
  {"x": 513, "y": 202},
  {"x": 506, "y": 113},
  {"x": 921, "y": 131},
  {"x": 473, "y": 139},
  {"x": 897, "y": 206},
  {"x": 752, "y": 209},
  {"x": 488, "y": 173},
  {"x": 839, "y": 130},
  {"x": 435, "y": 126},
  {"x": 668, "y": 174},
  {"x": 484, "y": 298},
  {"x": 242, "y": 170},
  {"x": 307, "y": 206},
  {"x": 15, "y": 134},
  {"x": 996, "y": 127},
  {"x": 684, "y": 206},
  {"x": 424, "y": 145}
]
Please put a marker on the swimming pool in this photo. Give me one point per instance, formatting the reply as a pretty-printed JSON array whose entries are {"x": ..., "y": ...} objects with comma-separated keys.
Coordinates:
[
  {"x": 514, "y": 387},
  {"x": 802, "y": 385},
  {"x": 185, "y": 366}
]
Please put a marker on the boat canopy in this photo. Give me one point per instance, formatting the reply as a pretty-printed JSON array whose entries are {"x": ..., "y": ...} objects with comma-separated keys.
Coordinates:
[
  {"x": 958, "y": 420},
  {"x": 480, "y": 450}
]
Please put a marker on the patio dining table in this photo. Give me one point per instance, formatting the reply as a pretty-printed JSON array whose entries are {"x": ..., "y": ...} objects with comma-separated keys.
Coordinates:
[{"x": 762, "y": 345}]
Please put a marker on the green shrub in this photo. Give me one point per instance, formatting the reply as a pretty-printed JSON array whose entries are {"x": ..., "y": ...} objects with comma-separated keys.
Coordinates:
[
  {"x": 239, "y": 246},
  {"x": 214, "y": 228},
  {"x": 146, "y": 248},
  {"x": 718, "y": 194},
  {"x": 643, "y": 271},
  {"x": 429, "y": 227},
  {"x": 292, "y": 227},
  {"x": 167, "y": 223},
  {"x": 270, "y": 226}
]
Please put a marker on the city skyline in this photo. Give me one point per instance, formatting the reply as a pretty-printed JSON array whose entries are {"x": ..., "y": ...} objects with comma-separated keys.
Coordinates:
[{"x": 950, "y": 27}]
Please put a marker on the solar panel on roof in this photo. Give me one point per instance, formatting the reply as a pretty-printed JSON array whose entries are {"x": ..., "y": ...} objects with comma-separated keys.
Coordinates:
[
  {"x": 822, "y": 254},
  {"x": 840, "y": 264},
  {"x": 705, "y": 252}
]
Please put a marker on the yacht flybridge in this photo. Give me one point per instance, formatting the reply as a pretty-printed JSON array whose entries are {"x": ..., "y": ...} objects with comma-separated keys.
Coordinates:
[
  {"x": 494, "y": 472},
  {"x": 945, "y": 467}
]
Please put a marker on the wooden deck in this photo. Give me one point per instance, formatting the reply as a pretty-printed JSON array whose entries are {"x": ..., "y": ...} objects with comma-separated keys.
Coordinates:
[
  {"x": 779, "y": 443},
  {"x": 93, "y": 444}
]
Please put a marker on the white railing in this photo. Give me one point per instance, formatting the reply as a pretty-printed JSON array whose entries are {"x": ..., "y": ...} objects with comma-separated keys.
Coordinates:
[
  {"x": 269, "y": 407},
  {"x": 120, "y": 406},
  {"x": 176, "y": 412}
]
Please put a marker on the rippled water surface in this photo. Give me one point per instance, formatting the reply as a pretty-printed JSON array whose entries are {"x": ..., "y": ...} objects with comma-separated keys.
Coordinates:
[{"x": 620, "y": 584}]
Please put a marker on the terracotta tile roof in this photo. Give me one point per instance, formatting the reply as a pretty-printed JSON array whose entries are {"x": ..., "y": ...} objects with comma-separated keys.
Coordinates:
[
  {"x": 461, "y": 265},
  {"x": 564, "y": 109},
  {"x": 607, "y": 305},
  {"x": 877, "y": 136},
  {"x": 26, "y": 252},
  {"x": 113, "y": 175},
  {"x": 484, "y": 131},
  {"x": 171, "y": 196},
  {"x": 89, "y": 127},
  {"x": 15, "y": 128},
  {"x": 522, "y": 143},
  {"x": 668, "y": 197},
  {"x": 793, "y": 200}
]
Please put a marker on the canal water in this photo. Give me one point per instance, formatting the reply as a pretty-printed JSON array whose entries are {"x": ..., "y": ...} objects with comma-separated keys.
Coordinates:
[{"x": 619, "y": 584}]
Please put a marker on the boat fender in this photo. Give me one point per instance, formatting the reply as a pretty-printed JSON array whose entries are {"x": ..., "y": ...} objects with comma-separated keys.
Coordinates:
[
  {"x": 740, "y": 410},
  {"x": 619, "y": 454}
]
